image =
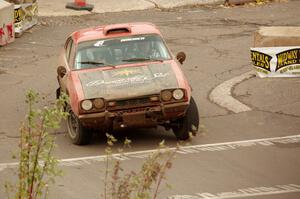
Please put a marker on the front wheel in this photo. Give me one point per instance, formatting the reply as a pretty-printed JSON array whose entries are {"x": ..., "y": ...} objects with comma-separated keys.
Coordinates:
[
  {"x": 187, "y": 124},
  {"x": 77, "y": 132},
  {"x": 58, "y": 92}
]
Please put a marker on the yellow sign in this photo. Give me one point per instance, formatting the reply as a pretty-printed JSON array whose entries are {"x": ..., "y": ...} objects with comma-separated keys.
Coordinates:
[
  {"x": 288, "y": 57},
  {"x": 25, "y": 16},
  {"x": 19, "y": 15},
  {"x": 261, "y": 60},
  {"x": 126, "y": 72}
]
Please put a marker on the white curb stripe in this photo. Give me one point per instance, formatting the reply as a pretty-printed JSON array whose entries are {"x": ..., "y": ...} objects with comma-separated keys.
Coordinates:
[
  {"x": 225, "y": 146},
  {"x": 242, "y": 193},
  {"x": 221, "y": 95}
]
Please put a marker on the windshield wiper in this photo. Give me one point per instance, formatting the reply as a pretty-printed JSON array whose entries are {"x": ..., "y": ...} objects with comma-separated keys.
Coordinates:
[
  {"x": 95, "y": 63},
  {"x": 91, "y": 62},
  {"x": 141, "y": 59}
]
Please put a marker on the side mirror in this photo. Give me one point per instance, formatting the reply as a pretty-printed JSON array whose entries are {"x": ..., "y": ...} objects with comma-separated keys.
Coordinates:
[
  {"x": 61, "y": 71},
  {"x": 181, "y": 57}
]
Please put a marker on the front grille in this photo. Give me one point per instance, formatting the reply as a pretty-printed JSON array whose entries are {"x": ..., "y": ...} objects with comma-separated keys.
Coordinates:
[{"x": 133, "y": 103}]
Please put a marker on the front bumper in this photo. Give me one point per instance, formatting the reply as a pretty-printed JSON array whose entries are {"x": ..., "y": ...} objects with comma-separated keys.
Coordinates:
[{"x": 135, "y": 117}]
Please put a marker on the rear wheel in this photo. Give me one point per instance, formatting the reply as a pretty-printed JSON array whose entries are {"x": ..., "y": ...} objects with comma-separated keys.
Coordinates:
[
  {"x": 187, "y": 124},
  {"x": 77, "y": 132}
]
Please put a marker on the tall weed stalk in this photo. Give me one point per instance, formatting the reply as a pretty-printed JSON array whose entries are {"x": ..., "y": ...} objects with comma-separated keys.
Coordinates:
[
  {"x": 142, "y": 184},
  {"x": 37, "y": 165}
]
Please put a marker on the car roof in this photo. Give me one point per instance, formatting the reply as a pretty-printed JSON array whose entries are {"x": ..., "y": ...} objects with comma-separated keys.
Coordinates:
[{"x": 114, "y": 30}]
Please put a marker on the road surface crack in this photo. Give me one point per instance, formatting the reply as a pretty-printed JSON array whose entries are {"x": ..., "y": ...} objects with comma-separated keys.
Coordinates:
[
  {"x": 230, "y": 71},
  {"x": 215, "y": 116},
  {"x": 154, "y": 3},
  {"x": 278, "y": 113}
]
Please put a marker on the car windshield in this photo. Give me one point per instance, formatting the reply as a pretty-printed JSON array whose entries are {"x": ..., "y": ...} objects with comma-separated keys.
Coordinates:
[{"x": 121, "y": 50}]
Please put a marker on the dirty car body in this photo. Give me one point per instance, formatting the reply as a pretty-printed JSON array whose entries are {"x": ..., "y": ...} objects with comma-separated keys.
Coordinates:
[{"x": 120, "y": 76}]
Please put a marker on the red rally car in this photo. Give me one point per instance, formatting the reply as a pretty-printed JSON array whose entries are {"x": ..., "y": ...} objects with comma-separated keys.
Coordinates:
[{"x": 123, "y": 75}]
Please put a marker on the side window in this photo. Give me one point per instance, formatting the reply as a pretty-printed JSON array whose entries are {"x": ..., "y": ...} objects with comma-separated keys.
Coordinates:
[
  {"x": 68, "y": 47},
  {"x": 71, "y": 55}
]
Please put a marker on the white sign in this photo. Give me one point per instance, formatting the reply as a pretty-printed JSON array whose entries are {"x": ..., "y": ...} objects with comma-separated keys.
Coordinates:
[
  {"x": 276, "y": 61},
  {"x": 25, "y": 16}
]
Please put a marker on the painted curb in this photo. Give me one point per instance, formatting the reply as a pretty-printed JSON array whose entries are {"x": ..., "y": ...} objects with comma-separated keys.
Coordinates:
[
  {"x": 185, "y": 150},
  {"x": 169, "y": 4},
  {"x": 57, "y": 7},
  {"x": 221, "y": 95}
]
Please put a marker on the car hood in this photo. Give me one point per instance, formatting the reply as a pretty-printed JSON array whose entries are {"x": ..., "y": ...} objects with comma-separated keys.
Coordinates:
[{"x": 127, "y": 82}]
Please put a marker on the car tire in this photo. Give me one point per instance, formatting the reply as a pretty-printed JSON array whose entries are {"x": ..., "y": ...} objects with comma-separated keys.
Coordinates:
[
  {"x": 79, "y": 134},
  {"x": 58, "y": 92},
  {"x": 189, "y": 123}
]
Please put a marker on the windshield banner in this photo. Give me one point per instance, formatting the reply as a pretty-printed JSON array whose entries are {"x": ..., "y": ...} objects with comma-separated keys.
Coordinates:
[{"x": 276, "y": 61}]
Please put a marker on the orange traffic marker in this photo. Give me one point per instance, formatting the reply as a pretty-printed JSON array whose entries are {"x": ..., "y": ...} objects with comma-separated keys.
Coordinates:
[{"x": 80, "y": 5}]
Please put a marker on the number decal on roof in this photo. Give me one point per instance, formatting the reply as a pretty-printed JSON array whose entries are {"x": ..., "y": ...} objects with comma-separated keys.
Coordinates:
[{"x": 99, "y": 43}]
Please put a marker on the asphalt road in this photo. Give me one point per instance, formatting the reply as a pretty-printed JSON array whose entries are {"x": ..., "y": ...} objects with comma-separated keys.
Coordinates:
[{"x": 216, "y": 41}]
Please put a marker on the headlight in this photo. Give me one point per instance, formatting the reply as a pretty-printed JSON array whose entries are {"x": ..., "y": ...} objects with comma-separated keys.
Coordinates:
[
  {"x": 86, "y": 105},
  {"x": 178, "y": 94},
  {"x": 99, "y": 103},
  {"x": 166, "y": 95}
]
